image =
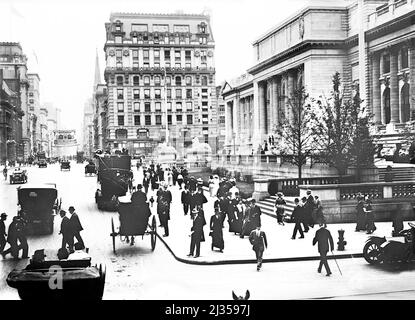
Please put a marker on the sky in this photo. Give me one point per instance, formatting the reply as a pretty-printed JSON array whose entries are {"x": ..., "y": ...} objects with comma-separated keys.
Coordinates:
[{"x": 61, "y": 38}]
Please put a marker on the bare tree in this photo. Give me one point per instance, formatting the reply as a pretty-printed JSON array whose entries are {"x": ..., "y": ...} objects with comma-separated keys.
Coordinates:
[{"x": 297, "y": 132}]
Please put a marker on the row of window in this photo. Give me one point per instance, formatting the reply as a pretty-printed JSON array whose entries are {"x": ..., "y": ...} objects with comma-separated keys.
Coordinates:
[
  {"x": 158, "y": 120},
  {"x": 157, "y": 80},
  {"x": 156, "y": 65},
  {"x": 177, "y": 28},
  {"x": 147, "y": 107},
  {"x": 167, "y": 54},
  {"x": 161, "y": 40},
  {"x": 157, "y": 94}
]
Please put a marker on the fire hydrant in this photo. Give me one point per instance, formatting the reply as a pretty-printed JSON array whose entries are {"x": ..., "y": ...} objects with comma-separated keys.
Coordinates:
[{"x": 341, "y": 243}]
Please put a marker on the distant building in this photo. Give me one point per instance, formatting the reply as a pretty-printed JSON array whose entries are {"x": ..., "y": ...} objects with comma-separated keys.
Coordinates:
[
  {"x": 371, "y": 43},
  {"x": 88, "y": 129},
  {"x": 160, "y": 71},
  {"x": 221, "y": 121},
  {"x": 44, "y": 132},
  {"x": 13, "y": 62},
  {"x": 100, "y": 117},
  {"x": 34, "y": 112},
  {"x": 53, "y": 124}
]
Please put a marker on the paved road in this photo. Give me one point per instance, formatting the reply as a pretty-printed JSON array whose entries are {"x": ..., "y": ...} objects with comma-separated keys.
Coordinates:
[{"x": 138, "y": 273}]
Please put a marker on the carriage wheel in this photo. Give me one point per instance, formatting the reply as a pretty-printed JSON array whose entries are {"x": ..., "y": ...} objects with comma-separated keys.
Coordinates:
[
  {"x": 102, "y": 273},
  {"x": 371, "y": 252},
  {"x": 113, "y": 234},
  {"x": 153, "y": 233}
]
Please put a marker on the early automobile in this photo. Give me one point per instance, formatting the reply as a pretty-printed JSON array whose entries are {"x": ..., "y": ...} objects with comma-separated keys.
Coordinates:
[
  {"x": 90, "y": 168},
  {"x": 80, "y": 280},
  {"x": 42, "y": 163},
  {"x": 134, "y": 221},
  {"x": 114, "y": 177},
  {"x": 39, "y": 204},
  {"x": 65, "y": 165},
  {"x": 18, "y": 176},
  {"x": 398, "y": 249}
]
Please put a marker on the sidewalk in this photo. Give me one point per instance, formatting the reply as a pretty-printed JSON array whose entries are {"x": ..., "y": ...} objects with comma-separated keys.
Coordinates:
[{"x": 280, "y": 245}]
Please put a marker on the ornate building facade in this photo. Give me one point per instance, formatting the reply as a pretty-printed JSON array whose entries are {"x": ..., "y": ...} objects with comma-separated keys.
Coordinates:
[
  {"x": 370, "y": 42},
  {"x": 160, "y": 71},
  {"x": 13, "y": 62},
  {"x": 34, "y": 112}
]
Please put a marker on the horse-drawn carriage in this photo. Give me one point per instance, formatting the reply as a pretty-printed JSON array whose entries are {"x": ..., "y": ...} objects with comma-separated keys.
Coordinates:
[
  {"x": 114, "y": 176},
  {"x": 134, "y": 221},
  {"x": 79, "y": 280},
  {"x": 65, "y": 165},
  {"x": 39, "y": 204},
  {"x": 398, "y": 249},
  {"x": 90, "y": 169},
  {"x": 18, "y": 176}
]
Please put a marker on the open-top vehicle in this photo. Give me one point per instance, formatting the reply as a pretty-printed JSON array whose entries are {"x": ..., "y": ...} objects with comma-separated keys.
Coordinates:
[
  {"x": 39, "y": 204},
  {"x": 114, "y": 177},
  {"x": 134, "y": 221},
  {"x": 18, "y": 176},
  {"x": 80, "y": 280},
  {"x": 65, "y": 165},
  {"x": 398, "y": 249},
  {"x": 42, "y": 163}
]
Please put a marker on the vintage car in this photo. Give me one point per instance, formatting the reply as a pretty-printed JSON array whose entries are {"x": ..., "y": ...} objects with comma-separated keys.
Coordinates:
[
  {"x": 79, "y": 279},
  {"x": 399, "y": 249},
  {"x": 39, "y": 204},
  {"x": 65, "y": 165},
  {"x": 90, "y": 168},
  {"x": 18, "y": 176},
  {"x": 42, "y": 163}
]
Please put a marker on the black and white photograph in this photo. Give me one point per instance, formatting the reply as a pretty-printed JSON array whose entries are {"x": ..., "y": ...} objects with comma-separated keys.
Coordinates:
[{"x": 220, "y": 152}]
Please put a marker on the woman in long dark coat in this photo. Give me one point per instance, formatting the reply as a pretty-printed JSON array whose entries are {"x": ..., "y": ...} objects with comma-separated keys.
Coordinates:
[
  {"x": 360, "y": 214},
  {"x": 216, "y": 231},
  {"x": 370, "y": 216},
  {"x": 233, "y": 216}
]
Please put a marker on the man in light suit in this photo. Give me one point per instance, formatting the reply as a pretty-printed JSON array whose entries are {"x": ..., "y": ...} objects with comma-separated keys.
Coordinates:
[
  {"x": 325, "y": 243},
  {"x": 258, "y": 240}
]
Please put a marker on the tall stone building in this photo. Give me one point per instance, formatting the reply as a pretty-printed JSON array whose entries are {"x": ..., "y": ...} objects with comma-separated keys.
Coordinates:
[
  {"x": 10, "y": 122},
  {"x": 13, "y": 62},
  {"x": 88, "y": 129},
  {"x": 371, "y": 44},
  {"x": 160, "y": 71},
  {"x": 100, "y": 117},
  {"x": 34, "y": 112}
]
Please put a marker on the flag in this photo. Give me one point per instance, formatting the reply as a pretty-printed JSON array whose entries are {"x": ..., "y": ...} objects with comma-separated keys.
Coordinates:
[
  {"x": 34, "y": 54},
  {"x": 15, "y": 12}
]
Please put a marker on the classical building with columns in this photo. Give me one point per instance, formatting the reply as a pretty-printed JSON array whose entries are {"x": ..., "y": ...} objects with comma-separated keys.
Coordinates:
[{"x": 369, "y": 42}]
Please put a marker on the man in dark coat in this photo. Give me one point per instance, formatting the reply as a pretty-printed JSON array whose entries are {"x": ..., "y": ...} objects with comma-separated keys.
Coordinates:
[
  {"x": 310, "y": 204},
  {"x": 67, "y": 237},
  {"x": 192, "y": 182},
  {"x": 186, "y": 198},
  {"x": 198, "y": 199},
  {"x": 3, "y": 234},
  {"x": 175, "y": 173},
  {"x": 12, "y": 240},
  {"x": 75, "y": 226},
  {"x": 21, "y": 234},
  {"x": 139, "y": 198},
  {"x": 258, "y": 239},
  {"x": 304, "y": 214},
  {"x": 197, "y": 235},
  {"x": 146, "y": 181},
  {"x": 255, "y": 214},
  {"x": 296, "y": 217},
  {"x": 325, "y": 243},
  {"x": 164, "y": 199}
]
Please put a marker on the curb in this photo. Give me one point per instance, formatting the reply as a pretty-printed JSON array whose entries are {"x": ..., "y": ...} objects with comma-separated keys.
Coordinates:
[{"x": 247, "y": 261}]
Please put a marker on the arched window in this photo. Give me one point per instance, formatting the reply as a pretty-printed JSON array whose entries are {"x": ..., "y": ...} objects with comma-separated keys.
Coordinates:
[
  {"x": 136, "y": 80},
  {"x": 387, "y": 104},
  {"x": 204, "y": 81},
  {"x": 178, "y": 81},
  {"x": 188, "y": 81},
  {"x": 120, "y": 81},
  {"x": 121, "y": 134},
  {"x": 405, "y": 106}
]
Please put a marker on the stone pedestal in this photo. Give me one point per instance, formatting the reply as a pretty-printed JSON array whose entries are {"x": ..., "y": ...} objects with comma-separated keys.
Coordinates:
[{"x": 260, "y": 189}]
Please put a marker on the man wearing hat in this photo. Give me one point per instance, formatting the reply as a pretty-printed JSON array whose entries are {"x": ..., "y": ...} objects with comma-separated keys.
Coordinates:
[
  {"x": 3, "y": 234},
  {"x": 75, "y": 226},
  {"x": 279, "y": 205},
  {"x": 325, "y": 243},
  {"x": 309, "y": 208},
  {"x": 197, "y": 234},
  {"x": 139, "y": 198},
  {"x": 164, "y": 198},
  {"x": 67, "y": 237},
  {"x": 258, "y": 239}
]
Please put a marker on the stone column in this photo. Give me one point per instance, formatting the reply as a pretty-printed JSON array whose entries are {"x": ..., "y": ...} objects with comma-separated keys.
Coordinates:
[
  {"x": 256, "y": 139},
  {"x": 290, "y": 93},
  {"x": 235, "y": 118},
  {"x": 376, "y": 88},
  {"x": 228, "y": 122},
  {"x": 269, "y": 110},
  {"x": 262, "y": 107},
  {"x": 394, "y": 86},
  {"x": 412, "y": 77},
  {"x": 274, "y": 99}
]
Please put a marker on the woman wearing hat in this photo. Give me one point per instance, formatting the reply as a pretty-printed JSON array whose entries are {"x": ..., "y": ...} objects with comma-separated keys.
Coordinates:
[
  {"x": 279, "y": 204},
  {"x": 360, "y": 214}
]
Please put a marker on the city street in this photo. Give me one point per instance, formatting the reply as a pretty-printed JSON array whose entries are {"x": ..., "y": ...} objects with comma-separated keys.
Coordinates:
[{"x": 136, "y": 272}]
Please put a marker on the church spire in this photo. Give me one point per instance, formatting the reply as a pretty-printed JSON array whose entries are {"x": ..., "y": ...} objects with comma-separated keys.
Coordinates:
[{"x": 97, "y": 79}]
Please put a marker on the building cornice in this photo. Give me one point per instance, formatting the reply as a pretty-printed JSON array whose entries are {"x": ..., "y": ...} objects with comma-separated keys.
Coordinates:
[
  {"x": 146, "y": 45},
  {"x": 123, "y": 15},
  {"x": 297, "y": 49},
  {"x": 247, "y": 85}
]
